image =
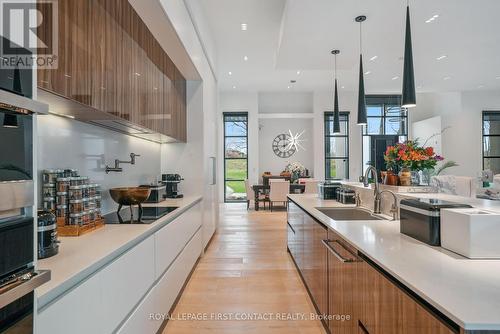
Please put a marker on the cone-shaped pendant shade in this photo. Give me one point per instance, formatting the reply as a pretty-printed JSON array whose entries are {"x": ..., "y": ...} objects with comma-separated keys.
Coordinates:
[
  {"x": 336, "y": 112},
  {"x": 361, "y": 94},
  {"x": 409, "y": 98}
]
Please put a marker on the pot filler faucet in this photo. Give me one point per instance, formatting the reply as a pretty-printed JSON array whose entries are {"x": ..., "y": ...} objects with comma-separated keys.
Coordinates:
[
  {"x": 378, "y": 194},
  {"x": 117, "y": 167}
]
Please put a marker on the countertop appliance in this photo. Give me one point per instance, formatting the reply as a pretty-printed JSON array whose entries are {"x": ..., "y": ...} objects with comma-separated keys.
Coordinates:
[
  {"x": 148, "y": 215},
  {"x": 420, "y": 218},
  {"x": 158, "y": 193},
  {"x": 346, "y": 196},
  {"x": 172, "y": 182},
  {"x": 48, "y": 244},
  {"x": 328, "y": 190}
]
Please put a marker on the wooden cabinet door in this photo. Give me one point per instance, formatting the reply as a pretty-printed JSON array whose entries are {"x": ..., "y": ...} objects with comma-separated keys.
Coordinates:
[
  {"x": 343, "y": 301},
  {"x": 389, "y": 310},
  {"x": 319, "y": 288}
]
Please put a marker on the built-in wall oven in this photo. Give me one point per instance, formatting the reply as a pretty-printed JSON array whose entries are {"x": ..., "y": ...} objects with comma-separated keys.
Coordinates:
[{"x": 18, "y": 277}]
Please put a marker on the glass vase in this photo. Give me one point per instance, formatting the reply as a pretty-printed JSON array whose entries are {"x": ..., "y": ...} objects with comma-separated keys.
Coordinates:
[{"x": 415, "y": 178}]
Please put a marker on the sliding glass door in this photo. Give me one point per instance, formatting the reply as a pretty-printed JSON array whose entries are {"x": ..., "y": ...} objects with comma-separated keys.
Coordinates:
[{"x": 235, "y": 156}]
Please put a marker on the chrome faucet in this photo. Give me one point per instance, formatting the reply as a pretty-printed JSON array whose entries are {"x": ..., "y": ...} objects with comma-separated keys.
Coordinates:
[
  {"x": 394, "y": 207},
  {"x": 378, "y": 199},
  {"x": 375, "y": 176},
  {"x": 117, "y": 167}
]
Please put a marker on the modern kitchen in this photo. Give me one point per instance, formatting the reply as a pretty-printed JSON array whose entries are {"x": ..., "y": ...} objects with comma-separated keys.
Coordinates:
[{"x": 249, "y": 166}]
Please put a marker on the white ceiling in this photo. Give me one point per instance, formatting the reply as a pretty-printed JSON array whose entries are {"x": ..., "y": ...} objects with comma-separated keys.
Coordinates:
[{"x": 286, "y": 36}]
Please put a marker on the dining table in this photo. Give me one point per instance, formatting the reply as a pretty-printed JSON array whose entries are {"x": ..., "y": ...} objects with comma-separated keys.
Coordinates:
[{"x": 262, "y": 188}]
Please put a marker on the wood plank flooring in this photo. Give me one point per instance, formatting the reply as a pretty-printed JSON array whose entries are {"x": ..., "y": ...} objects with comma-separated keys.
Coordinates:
[{"x": 246, "y": 272}]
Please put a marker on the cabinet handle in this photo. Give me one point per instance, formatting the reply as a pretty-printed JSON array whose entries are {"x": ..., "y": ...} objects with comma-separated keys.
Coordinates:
[
  {"x": 336, "y": 254},
  {"x": 289, "y": 225},
  {"x": 214, "y": 171}
]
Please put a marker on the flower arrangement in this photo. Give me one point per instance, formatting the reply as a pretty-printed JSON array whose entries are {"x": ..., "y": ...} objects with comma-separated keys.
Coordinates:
[
  {"x": 296, "y": 170},
  {"x": 411, "y": 156}
]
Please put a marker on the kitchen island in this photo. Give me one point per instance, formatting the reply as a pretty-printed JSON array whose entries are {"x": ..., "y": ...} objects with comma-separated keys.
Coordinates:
[
  {"x": 114, "y": 273},
  {"x": 462, "y": 294}
]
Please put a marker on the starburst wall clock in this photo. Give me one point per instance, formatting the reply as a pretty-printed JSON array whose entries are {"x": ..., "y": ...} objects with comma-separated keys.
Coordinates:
[{"x": 285, "y": 145}]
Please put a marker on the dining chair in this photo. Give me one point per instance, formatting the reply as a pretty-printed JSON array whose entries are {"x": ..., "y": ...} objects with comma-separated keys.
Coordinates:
[
  {"x": 311, "y": 186},
  {"x": 251, "y": 195},
  {"x": 278, "y": 191}
]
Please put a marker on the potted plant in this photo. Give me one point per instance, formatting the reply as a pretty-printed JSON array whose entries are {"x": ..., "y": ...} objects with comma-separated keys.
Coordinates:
[{"x": 296, "y": 170}]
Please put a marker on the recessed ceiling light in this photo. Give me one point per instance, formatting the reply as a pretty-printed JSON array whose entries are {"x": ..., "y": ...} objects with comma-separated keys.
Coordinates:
[
  {"x": 244, "y": 26},
  {"x": 230, "y": 73},
  {"x": 245, "y": 58},
  {"x": 441, "y": 57},
  {"x": 298, "y": 72},
  {"x": 480, "y": 86},
  {"x": 432, "y": 18},
  {"x": 368, "y": 72},
  {"x": 373, "y": 58},
  {"x": 234, "y": 87},
  {"x": 342, "y": 87},
  {"x": 446, "y": 78},
  {"x": 288, "y": 87},
  {"x": 137, "y": 74},
  {"x": 395, "y": 78}
]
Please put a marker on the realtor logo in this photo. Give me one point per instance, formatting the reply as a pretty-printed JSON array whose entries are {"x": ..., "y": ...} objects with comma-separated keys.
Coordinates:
[{"x": 30, "y": 33}]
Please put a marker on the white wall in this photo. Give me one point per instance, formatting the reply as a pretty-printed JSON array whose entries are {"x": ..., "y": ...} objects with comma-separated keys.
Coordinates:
[
  {"x": 285, "y": 102},
  {"x": 270, "y": 128},
  {"x": 64, "y": 143},
  {"x": 461, "y": 112}
]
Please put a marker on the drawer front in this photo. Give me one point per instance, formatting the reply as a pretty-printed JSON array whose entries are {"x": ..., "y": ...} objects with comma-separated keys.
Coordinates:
[{"x": 170, "y": 240}]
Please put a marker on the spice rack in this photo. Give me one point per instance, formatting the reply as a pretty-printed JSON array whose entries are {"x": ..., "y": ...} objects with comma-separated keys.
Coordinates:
[{"x": 74, "y": 199}]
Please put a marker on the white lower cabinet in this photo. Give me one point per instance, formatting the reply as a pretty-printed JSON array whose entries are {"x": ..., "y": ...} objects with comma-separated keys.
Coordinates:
[
  {"x": 124, "y": 294},
  {"x": 125, "y": 281},
  {"x": 173, "y": 237},
  {"x": 147, "y": 318},
  {"x": 74, "y": 313}
]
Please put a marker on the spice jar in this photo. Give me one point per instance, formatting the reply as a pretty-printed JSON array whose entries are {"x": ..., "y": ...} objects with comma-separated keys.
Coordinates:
[
  {"x": 75, "y": 205},
  {"x": 62, "y": 211},
  {"x": 97, "y": 214},
  {"x": 92, "y": 204},
  {"x": 97, "y": 200},
  {"x": 63, "y": 184},
  {"x": 85, "y": 190},
  {"x": 69, "y": 172},
  {"x": 75, "y": 181},
  {"x": 97, "y": 187},
  {"x": 49, "y": 190},
  {"x": 91, "y": 188},
  {"x": 86, "y": 217},
  {"x": 51, "y": 175},
  {"x": 76, "y": 218},
  {"x": 49, "y": 203},
  {"x": 75, "y": 192},
  {"x": 84, "y": 180},
  {"x": 86, "y": 203},
  {"x": 62, "y": 198}
]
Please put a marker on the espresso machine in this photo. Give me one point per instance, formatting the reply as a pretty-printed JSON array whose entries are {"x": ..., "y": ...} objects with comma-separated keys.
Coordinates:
[{"x": 172, "y": 181}]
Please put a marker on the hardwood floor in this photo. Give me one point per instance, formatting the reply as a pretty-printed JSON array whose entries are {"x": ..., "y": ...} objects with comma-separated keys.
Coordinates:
[{"x": 246, "y": 272}]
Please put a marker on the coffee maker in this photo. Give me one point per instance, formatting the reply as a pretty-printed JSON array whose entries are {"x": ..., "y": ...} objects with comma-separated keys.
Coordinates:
[{"x": 172, "y": 181}]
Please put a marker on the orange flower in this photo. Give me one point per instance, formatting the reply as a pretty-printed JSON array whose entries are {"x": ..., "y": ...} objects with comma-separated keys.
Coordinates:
[{"x": 429, "y": 151}]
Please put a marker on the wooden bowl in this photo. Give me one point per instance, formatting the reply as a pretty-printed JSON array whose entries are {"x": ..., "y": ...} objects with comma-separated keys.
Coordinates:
[{"x": 130, "y": 195}]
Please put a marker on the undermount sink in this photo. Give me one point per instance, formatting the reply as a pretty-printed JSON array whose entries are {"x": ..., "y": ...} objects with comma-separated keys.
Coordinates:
[{"x": 348, "y": 214}]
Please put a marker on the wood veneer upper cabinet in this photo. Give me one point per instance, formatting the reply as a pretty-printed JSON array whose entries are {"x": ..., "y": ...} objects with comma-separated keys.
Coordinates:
[
  {"x": 110, "y": 61},
  {"x": 386, "y": 309}
]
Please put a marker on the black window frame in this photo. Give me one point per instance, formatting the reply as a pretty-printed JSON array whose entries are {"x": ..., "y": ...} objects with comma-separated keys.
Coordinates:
[
  {"x": 383, "y": 101},
  {"x": 327, "y": 118},
  {"x": 483, "y": 136},
  {"x": 224, "y": 116}
]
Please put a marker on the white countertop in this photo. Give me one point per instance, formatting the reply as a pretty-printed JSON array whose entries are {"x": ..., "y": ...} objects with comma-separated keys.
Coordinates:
[
  {"x": 467, "y": 291},
  {"x": 80, "y": 257}
]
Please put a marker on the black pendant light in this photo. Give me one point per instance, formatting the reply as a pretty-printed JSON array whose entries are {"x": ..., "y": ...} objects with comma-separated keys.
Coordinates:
[
  {"x": 361, "y": 90},
  {"x": 409, "y": 96},
  {"x": 10, "y": 121},
  {"x": 17, "y": 81},
  {"x": 336, "y": 112}
]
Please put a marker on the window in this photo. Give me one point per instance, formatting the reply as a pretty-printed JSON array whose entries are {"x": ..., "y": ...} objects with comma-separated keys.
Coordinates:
[
  {"x": 491, "y": 141},
  {"x": 387, "y": 124},
  {"x": 235, "y": 156},
  {"x": 337, "y": 148}
]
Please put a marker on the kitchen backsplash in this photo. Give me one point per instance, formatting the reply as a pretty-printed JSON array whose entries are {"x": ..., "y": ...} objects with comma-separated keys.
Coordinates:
[{"x": 66, "y": 143}]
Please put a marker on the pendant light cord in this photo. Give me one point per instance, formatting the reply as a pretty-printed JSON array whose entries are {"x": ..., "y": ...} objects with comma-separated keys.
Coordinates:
[
  {"x": 360, "y": 40},
  {"x": 335, "y": 72}
]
